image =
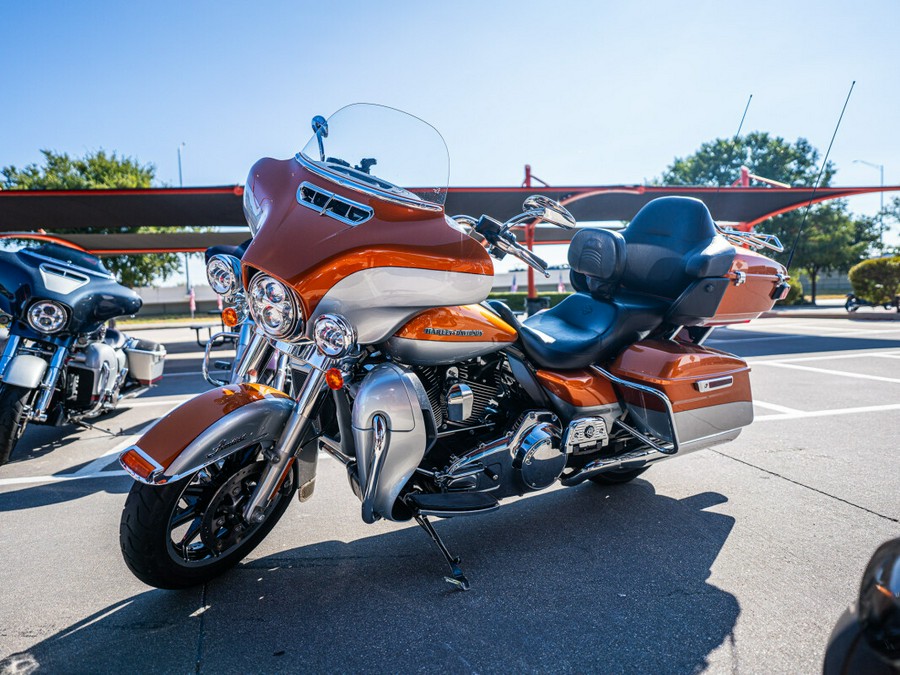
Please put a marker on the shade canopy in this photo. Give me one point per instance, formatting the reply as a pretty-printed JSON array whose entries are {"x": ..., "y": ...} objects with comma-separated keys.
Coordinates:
[{"x": 27, "y": 211}]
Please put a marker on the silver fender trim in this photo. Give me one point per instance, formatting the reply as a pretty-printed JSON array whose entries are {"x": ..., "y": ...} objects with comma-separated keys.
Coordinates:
[
  {"x": 257, "y": 422},
  {"x": 25, "y": 370}
]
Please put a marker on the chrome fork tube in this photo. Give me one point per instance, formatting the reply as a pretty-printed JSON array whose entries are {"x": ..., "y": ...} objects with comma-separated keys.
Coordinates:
[
  {"x": 252, "y": 359},
  {"x": 9, "y": 351},
  {"x": 283, "y": 452},
  {"x": 49, "y": 384},
  {"x": 244, "y": 336},
  {"x": 281, "y": 371}
]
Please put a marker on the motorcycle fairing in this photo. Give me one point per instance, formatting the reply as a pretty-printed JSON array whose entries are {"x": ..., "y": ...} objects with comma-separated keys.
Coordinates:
[
  {"x": 205, "y": 429},
  {"x": 412, "y": 258},
  {"x": 91, "y": 296}
]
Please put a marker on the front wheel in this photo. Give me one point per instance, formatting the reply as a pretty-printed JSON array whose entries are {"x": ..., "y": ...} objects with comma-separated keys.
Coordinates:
[
  {"x": 13, "y": 418},
  {"x": 190, "y": 531}
]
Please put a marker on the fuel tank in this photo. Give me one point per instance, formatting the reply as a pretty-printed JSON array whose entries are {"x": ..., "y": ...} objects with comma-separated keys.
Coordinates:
[{"x": 444, "y": 335}]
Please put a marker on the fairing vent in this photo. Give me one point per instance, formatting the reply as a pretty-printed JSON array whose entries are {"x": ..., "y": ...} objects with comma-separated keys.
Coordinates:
[
  {"x": 329, "y": 204},
  {"x": 58, "y": 279}
]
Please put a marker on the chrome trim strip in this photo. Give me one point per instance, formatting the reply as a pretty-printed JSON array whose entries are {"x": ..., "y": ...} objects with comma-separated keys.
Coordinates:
[
  {"x": 366, "y": 190},
  {"x": 715, "y": 383}
]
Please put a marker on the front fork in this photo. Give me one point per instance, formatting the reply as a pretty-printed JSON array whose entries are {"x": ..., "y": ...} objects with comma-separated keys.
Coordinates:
[
  {"x": 281, "y": 457},
  {"x": 48, "y": 383}
]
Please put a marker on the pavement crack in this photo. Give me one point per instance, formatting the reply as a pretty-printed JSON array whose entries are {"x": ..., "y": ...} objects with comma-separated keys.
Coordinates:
[
  {"x": 808, "y": 487},
  {"x": 199, "y": 662}
]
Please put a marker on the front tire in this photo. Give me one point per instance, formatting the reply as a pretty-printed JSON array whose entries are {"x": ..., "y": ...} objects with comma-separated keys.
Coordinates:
[
  {"x": 191, "y": 531},
  {"x": 13, "y": 402}
]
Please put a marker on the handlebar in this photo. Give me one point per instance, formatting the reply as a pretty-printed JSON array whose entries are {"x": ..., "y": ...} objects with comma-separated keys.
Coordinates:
[{"x": 502, "y": 242}]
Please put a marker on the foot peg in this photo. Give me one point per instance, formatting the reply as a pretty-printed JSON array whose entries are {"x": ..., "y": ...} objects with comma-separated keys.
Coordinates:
[
  {"x": 458, "y": 579},
  {"x": 450, "y": 504}
]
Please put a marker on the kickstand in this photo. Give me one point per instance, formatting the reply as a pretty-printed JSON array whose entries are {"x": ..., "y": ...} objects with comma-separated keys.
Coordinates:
[
  {"x": 88, "y": 425},
  {"x": 458, "y": 579}
]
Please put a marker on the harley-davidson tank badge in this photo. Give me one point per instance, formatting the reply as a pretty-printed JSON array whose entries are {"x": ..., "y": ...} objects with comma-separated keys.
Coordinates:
[{"x": 451, "y": 332}]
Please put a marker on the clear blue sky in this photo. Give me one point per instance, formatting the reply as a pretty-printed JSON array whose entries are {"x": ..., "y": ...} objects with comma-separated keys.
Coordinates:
[{"x": 586, "y": 92}]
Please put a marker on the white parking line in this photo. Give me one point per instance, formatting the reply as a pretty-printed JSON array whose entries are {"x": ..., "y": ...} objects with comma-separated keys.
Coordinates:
[
  {"x": 25, "y": 480},
  {"x": 776, "y": 407},
  {"x": 828, "y": 413},
  {"x": 827, "y": 357},
  {"x": 95, "y": 468},
  {"x": 860, "y": 376},
  {"x": 155, "y": 401}
]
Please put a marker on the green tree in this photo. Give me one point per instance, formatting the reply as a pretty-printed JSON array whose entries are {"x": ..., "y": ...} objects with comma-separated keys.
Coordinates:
[
  {"x": 831, "y": 240},
  {"x": 97, "y": 170}
]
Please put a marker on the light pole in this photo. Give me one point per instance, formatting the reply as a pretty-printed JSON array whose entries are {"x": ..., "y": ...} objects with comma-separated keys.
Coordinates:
[
  {"x": 187, "y": 268},
  {"x": 880, "y": 168}
]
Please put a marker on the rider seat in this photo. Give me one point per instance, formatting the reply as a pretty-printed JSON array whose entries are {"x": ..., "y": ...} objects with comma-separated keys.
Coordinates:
[{"x": 667, "y": 266}]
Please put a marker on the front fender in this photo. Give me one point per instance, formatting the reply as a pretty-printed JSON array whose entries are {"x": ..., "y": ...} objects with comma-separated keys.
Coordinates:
[
  {"x": 206, "y": 429},
  {"x": 25, "y": 370}
]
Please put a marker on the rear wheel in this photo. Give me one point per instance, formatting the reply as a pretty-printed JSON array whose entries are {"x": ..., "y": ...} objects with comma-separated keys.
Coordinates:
[
  {"x": 186, "y": 533},
  {"x": 13, "y": 401},
  {"x": 618, "y": 477}
]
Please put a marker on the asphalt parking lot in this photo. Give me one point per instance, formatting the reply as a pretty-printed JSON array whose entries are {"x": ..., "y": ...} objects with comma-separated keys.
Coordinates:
[{"x": 735, "y": 559}]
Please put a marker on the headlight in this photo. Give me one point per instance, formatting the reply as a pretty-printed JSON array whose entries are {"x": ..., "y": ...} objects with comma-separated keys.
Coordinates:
[
  {"x": 224, "y": 275},
  {"x": 47, "y": 317},
  {"x": 334, "y": 336},
  {"x": 274, "y": 307}
]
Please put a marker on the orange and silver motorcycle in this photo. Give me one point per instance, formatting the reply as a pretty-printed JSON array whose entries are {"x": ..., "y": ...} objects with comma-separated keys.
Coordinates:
[{"x": 438, "y": 403}]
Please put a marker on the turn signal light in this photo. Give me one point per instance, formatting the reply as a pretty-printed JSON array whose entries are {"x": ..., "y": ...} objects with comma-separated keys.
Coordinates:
[
  {"x": 334, "y": 378},
  {"x": 139, "y": 466},
  {"x": 230, "y": 317}
]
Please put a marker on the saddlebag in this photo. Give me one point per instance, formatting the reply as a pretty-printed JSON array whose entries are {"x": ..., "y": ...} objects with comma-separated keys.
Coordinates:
[
  {"x": 146, "y": 360},
  {"x": 705, "y": 393}
]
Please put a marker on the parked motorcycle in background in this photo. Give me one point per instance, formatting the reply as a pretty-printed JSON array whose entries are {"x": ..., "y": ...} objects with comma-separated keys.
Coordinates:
[
  {"x": 61, "y": 364},
  {"x": 437, "y": 403}
]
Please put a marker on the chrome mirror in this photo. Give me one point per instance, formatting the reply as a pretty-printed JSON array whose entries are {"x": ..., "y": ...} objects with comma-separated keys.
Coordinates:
[
  {"x": 550, "y": 211},
  {"x": 320, "y": 129}
]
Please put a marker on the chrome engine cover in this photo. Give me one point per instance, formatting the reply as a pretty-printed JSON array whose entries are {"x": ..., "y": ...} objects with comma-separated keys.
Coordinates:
[
  {"x": 529, "y": 458},
  {"x": 390, "y": 434},
  {"x": 539, "y": 459}
]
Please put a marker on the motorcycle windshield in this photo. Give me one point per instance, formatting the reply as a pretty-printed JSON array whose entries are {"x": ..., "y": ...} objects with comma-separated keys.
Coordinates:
[{"x": 382, "y": 152}]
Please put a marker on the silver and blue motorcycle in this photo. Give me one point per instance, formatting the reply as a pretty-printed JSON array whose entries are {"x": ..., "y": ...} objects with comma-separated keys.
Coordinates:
[{"x": 61, "y": 364}]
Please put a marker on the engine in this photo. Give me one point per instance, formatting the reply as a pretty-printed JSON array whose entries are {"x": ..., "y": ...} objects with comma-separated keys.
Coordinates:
[{"x": 467, "y": 395}]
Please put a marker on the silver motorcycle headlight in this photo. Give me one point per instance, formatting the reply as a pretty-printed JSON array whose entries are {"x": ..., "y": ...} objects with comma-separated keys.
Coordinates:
[
  {"x": 224, "y": 274},
  {"x": 334, "y": 335},
  {"x": 274, "y": 307},
  {"x": 47, "y": 317}
]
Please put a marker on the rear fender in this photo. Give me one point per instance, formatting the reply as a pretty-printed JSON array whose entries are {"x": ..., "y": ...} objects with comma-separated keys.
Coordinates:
[{"x": 205, "y": 429}]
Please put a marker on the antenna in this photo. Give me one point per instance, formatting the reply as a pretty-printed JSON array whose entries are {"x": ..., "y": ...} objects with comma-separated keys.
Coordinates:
[
  {"x": 738, "y": 133},
  {"x": 819, "y": 178},
  {"x": 744, "y": 116}
]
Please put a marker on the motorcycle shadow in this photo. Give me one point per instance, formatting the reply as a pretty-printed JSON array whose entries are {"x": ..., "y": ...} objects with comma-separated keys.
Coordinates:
[{"x": 585, "y": 579}]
